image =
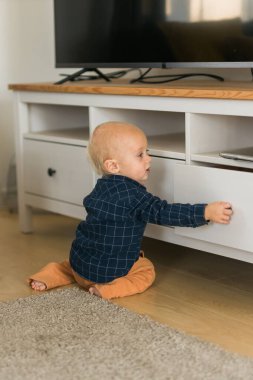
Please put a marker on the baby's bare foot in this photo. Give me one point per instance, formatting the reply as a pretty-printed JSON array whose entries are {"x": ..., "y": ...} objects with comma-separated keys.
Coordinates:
[
  {"x": 93, "y": 290},
  {"x": 38, "y": 285}
]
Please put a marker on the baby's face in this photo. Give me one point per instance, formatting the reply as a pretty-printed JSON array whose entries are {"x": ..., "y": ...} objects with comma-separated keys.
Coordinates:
[{"x": 132, "y": 156}]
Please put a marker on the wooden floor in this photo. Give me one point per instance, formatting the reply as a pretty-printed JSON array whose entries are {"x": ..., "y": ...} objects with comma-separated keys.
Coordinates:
[{"x": 202, "y": 294}]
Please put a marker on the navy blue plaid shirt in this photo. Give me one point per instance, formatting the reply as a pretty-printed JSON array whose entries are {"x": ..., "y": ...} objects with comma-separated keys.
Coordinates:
[{"x": 108, "y": 242}]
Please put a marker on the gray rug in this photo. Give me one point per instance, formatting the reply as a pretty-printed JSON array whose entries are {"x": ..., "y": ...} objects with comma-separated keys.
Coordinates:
[{"x": 69, "y": 334}]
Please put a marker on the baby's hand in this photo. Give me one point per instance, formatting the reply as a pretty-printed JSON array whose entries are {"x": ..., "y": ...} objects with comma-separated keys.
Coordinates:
[{"x": 218, "y": 212}]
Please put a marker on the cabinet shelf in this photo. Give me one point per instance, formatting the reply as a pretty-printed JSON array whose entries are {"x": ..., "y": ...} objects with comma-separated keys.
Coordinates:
[
  {"x": 75, "y": 136},
  {"x": 215, "y": 158},
  {"x": 170, "y": 145}
]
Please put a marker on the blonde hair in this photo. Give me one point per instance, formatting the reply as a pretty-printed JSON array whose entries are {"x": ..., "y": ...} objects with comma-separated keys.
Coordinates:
[
  {"x": 104, "y": 142},
  {"x": 96, "y": 156}
]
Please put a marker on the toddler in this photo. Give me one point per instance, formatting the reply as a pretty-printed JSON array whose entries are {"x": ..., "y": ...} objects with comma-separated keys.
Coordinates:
[{"x": 106, "y": 257}]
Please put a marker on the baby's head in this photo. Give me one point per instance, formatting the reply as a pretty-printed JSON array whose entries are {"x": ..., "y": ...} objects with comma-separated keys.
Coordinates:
[{"x": 119, "y": 148}]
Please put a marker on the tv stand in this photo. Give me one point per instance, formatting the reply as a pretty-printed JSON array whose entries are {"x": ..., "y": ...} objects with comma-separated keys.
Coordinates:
[
  {"x": 74, "y": 76},
  {"x": 187, "y": 126}
]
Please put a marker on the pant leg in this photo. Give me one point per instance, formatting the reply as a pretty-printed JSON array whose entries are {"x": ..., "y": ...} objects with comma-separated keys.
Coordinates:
[
  {"x": 54, "y": 275},
  {"x": 81, "y": 281},
  {"x": 140, "y": 277}
]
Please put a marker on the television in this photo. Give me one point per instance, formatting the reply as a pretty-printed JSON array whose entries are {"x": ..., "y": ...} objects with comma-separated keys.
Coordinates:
[{"x": 153, "y": 33}]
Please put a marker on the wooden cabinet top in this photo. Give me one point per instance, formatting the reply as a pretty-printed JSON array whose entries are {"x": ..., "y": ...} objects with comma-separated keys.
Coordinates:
[{"x": 189, "y": 89}]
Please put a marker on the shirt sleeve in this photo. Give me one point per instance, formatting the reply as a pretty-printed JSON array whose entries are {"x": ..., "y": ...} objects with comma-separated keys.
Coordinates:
[{"x": 152, "y": 209}]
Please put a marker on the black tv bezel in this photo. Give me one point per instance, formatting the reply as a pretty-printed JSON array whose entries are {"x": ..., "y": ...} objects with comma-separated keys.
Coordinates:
[{"x": 159, "y": 65}]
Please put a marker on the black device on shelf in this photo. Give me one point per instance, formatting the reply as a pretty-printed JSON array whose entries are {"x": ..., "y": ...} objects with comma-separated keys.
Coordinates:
[{"x": 93, "y": 34}]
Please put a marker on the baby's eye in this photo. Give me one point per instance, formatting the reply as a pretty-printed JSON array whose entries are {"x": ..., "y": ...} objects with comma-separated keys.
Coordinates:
[{"x": 142, "y": 154}]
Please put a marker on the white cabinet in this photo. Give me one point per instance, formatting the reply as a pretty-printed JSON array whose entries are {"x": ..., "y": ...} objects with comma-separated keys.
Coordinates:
[
  {"x": 56, "y": 171},
  {"x": 186, "y": 130},
  {"x": 205, "y": 184},
  {"x": 161, "y": 178}
]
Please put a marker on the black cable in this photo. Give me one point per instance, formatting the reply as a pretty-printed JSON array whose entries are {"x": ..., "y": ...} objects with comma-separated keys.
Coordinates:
[
  {"x": 173, "y": 77},
  {"x": 112, "y": 75},
  {"x": 121, "y": 73},
  {"x": 143, "y": 78}
]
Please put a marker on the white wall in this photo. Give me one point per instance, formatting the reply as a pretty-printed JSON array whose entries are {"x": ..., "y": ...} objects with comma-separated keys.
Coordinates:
[
  {"x": 27, "y": 55},
  {"x": 7, "y": 18}
]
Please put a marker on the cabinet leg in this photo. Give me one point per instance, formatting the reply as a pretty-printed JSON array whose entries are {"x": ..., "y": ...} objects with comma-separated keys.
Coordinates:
[{"x": 25, "y": 219}]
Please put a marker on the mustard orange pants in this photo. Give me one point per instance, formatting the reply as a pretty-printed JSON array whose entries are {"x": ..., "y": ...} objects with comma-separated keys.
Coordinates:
[{"x": 139, "y": 278}]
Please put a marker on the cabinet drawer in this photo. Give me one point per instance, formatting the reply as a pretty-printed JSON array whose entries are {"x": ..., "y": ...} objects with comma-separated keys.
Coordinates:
[
  {"x": 160, "y": 182},
  {"x": 56, "y": 171},
  {"x": 198, "y": 184}
]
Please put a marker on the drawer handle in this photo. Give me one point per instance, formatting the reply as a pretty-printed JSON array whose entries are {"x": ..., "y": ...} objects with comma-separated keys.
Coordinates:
[{"x": 51, "y": 172}]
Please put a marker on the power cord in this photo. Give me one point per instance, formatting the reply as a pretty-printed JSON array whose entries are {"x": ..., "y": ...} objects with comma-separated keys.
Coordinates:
[
  {"x": 171, "y": 77},
  {"x": 113, "y": 75},
  {"x": 143, "y": 78}
]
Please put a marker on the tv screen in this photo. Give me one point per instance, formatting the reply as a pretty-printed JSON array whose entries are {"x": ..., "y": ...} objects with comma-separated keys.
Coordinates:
[{"x": 153, "y": 33}]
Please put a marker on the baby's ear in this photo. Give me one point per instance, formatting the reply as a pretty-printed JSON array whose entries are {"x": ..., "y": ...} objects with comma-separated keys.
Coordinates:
[{"x": 111, "y": 166}]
